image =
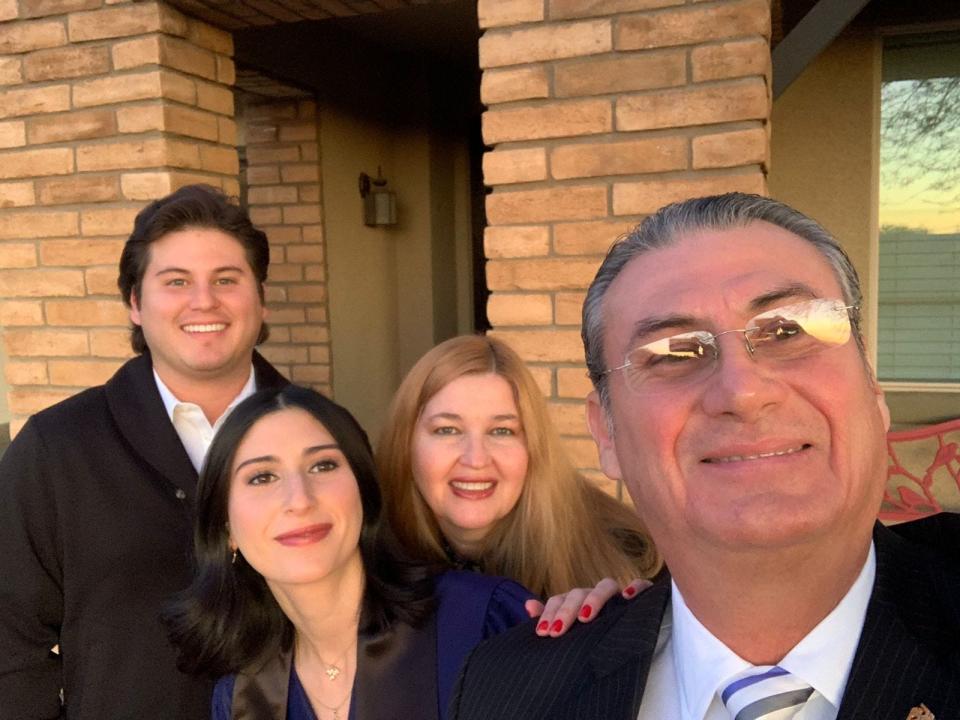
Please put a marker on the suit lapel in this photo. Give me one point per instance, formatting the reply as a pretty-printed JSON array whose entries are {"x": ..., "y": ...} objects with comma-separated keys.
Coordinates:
[
  {"x": 142, "y": 420},
  {"x": 907, "y": 653},
  {"x": 621, "y": 660}
]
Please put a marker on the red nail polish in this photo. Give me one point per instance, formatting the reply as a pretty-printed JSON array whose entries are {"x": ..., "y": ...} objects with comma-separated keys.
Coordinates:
[
  {"x": 557, "y": 626},
  {"x": 585, "y": 612},
  {"x": 630, "y": 591},
  {"x": 542, "y": 626}
]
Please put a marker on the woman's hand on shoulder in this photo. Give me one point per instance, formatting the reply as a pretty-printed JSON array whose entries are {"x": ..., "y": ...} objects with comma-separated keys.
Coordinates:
[{"x": 559, "y": 613}]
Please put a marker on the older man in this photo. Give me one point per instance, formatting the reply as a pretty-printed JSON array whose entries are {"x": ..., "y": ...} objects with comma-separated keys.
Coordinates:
[
  {"x": 96, "y": 492},
  {"x": 734, "y": 399}
]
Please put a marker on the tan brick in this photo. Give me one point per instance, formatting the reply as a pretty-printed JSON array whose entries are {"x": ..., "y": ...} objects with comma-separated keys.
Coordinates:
[
  {"x": 513, "y": 166},
  {"x": 315, "y": 273},
  {"x": 27, "y": 402},
  {"x": 272, "y": 195},
  {"x": 570, "y": 202},
  {"x": 175, "y": 86},
  {"x": 107, "y": 221},
  {"x": 66, "y": 62},
  {"x": 312, "y": 233},
  {"x": 21, "y": 312},
  {"x": 41, "y": 283},
  {"x": 696, "y": 105},
  {"x": 739, "y": 58},
  {"x": 310, "y": 334},
  {"x": 40, "y": 8},
  {"x": 134, "y": 19},
  {"x": 28, "y": 35},
  {"x": 261, "y": 216},
  {"x": 18, "y": 255},
  {"x": 300, "y": 173},
  {"x": 89, "y": 251},
  {"x": 729, "y": 149},
  {"x": 135, "y": 53},
  {"x": 569, "y": 418},
  {"x": 583, "y": 117},
  {"x": 82, "y": 373},
  {"x": 310, "y": 152},
  {"x": 692, "y": 25},
  {"x": 34, "y": 101},
  {"x": 219, "y": 159},
  {"x": 540, "y": 274},
  {"x": 285, "y": 315},
  {"x": 226, "y": 71},
  {"x": 621, "y": 74},
  {"x": 658, "y": 154},
  {"x": 567, "y": 307},
  {"x": 39, "y": 343},
  {"x": 493, "y": 13},
  {"x": 545, "y": 42},
  {"x": 565, "y": 9},
  {"x": 17, "y": 194},
  {"x": 544, "y": 345},
  {"x": 227, "y": 132},
  {"x": 272, "y": 154},
  {"x": 82, "y": 125},
  {"x": 286, "y": 272},
  {"x": 522, "y": 241},
  {"x": 320, "y": 353},
  {"x": 136, "y": 154},
  {"x": 279, "y": 234},
  {"x": 140, "y": 118},
  {"x": 13, "y": 134},
  {"x": 86, "y": 312},
  {"x": 27, "y": 372},
  {"x": 499, "y": 86},
  {"x": 217, "y": 98},
  {"x": 209, "y": 37},
  {"x": 101, "y": 280},
  {"x": 284, "y": 354},
  {"x": 272, "y": 111},
  {"x": 298, "y": 131},
  {"x": 145, "y": 186},
  {"x": 110, "y": 343},
  {"x": 305, "y": 253},
  {"x": 514, "y": 309},
  {"x": 117, "y": 88},
  {"x": 648, "y": 196},
  {"x": 11, "y": 71},
  {"x": 192, "y": 123},
  {"x": 543, "y": 376},
  {"x": 589, "y": 238},
  {"x": 9, "y": 10},
  {"x": 297, "y": 214},
  {"x": 307, "y": 293},
  {"x": 188, "y": 58},
  {"x": 311, "y": 373},
  {"x": 22, "y": 225},
  {"x": 79, "y": 189},
  {"x": 261, "y": 133}
]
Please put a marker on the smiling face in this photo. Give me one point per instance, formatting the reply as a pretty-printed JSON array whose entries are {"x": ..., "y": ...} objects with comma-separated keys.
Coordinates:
[
  {"x": 470, "y": 457},
  {"x": 199, "y": 307},
  {"x": 759, "y": 454},
  {"x": 294, "y": 508}
]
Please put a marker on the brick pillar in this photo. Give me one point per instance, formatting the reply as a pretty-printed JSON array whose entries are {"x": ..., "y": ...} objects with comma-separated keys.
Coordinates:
[
  {"x": 599, "y": 113},
  {"x": 103, "y": 106},
  {"x": 282, "y": 182}
]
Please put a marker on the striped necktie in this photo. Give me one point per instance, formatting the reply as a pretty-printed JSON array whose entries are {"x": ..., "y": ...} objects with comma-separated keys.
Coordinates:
[{"x": 770, "y": 693}]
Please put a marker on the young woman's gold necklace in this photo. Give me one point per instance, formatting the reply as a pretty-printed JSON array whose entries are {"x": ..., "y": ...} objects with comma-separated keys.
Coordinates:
[{"x": 335, "y": 710}]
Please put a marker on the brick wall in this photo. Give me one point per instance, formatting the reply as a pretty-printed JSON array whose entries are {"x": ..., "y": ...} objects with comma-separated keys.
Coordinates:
[
  {"x": 601, "y": 111},
  {"x": 103, "y": 106},
  {"x": 282, "y": 184}
]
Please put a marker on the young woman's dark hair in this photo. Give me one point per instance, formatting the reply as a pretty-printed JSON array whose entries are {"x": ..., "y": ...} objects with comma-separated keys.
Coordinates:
[
  {"x": 228, "y": 620},
  {"x": 192, "y": 206}
]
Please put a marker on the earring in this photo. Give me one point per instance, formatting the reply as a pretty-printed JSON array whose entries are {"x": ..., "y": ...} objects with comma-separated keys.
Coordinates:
[{"x": 233, "y": 558}]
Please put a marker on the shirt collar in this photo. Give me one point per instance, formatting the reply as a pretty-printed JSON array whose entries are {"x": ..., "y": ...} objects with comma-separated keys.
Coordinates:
[
  {"x": 822, "y": 658},
  {"x": 170, "y": 401}
]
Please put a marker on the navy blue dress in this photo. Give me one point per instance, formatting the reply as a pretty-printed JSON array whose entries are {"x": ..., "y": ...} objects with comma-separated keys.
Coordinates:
[{"x": 396, "y": 675}]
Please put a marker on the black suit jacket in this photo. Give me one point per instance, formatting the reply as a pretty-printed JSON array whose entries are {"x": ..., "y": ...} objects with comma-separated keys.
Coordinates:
[
  {"x": 96, "y": 498},
  {"x": 909, "y": 649}
]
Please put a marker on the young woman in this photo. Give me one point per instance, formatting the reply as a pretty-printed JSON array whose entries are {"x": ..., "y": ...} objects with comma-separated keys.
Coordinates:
[
  {"x": 474, "y": 475},
  {"x": 301, "y": 601}
]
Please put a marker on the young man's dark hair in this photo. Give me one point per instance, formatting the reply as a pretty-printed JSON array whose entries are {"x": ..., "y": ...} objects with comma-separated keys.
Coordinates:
[{"x": 192, "y": 206}]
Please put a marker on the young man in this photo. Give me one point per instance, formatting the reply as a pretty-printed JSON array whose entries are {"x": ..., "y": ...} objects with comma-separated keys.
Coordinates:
[
  {"x": 734, "y": 399},
  {"x": 96, "y": 492}
]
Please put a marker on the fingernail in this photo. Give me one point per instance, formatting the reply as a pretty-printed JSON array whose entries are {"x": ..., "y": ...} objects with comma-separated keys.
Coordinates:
[
  {"x": 630, "y": 591},
  {"x": 542, "y": 626},
  {"x": 586, "y": 611},
  {"x": 557, "y": 626}
]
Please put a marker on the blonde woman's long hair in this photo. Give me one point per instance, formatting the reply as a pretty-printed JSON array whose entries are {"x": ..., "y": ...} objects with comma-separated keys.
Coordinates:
[{"x": 564, "y": 531}]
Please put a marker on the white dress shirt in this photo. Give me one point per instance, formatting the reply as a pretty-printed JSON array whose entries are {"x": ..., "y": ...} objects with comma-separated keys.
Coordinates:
[
  {"x": 690, "y": 664},
  {"x": 195, "y": 431}
]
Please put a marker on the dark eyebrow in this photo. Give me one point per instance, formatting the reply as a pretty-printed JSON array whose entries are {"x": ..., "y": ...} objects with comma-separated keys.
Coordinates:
[
  {"x": 793, "y": 291},
  {"x": 184, "y": 271},
  {"x": 648, "y": 326},
  {"x": 274, "y": 458}
]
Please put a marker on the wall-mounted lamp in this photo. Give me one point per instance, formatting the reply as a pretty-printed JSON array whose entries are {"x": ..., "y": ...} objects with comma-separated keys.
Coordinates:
[{"x": 379, "y": 204}]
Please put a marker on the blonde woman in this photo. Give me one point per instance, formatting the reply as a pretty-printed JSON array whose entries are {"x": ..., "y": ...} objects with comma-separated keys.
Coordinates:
[{"x": 474, "y": 475}]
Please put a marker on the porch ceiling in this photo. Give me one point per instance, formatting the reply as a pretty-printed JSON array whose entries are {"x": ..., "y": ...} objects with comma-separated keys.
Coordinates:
[{"x": 237, "y": 14}]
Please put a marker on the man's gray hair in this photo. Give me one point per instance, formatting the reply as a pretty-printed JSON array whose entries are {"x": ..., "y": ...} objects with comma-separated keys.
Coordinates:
[{"x": 717, "y": 212}]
